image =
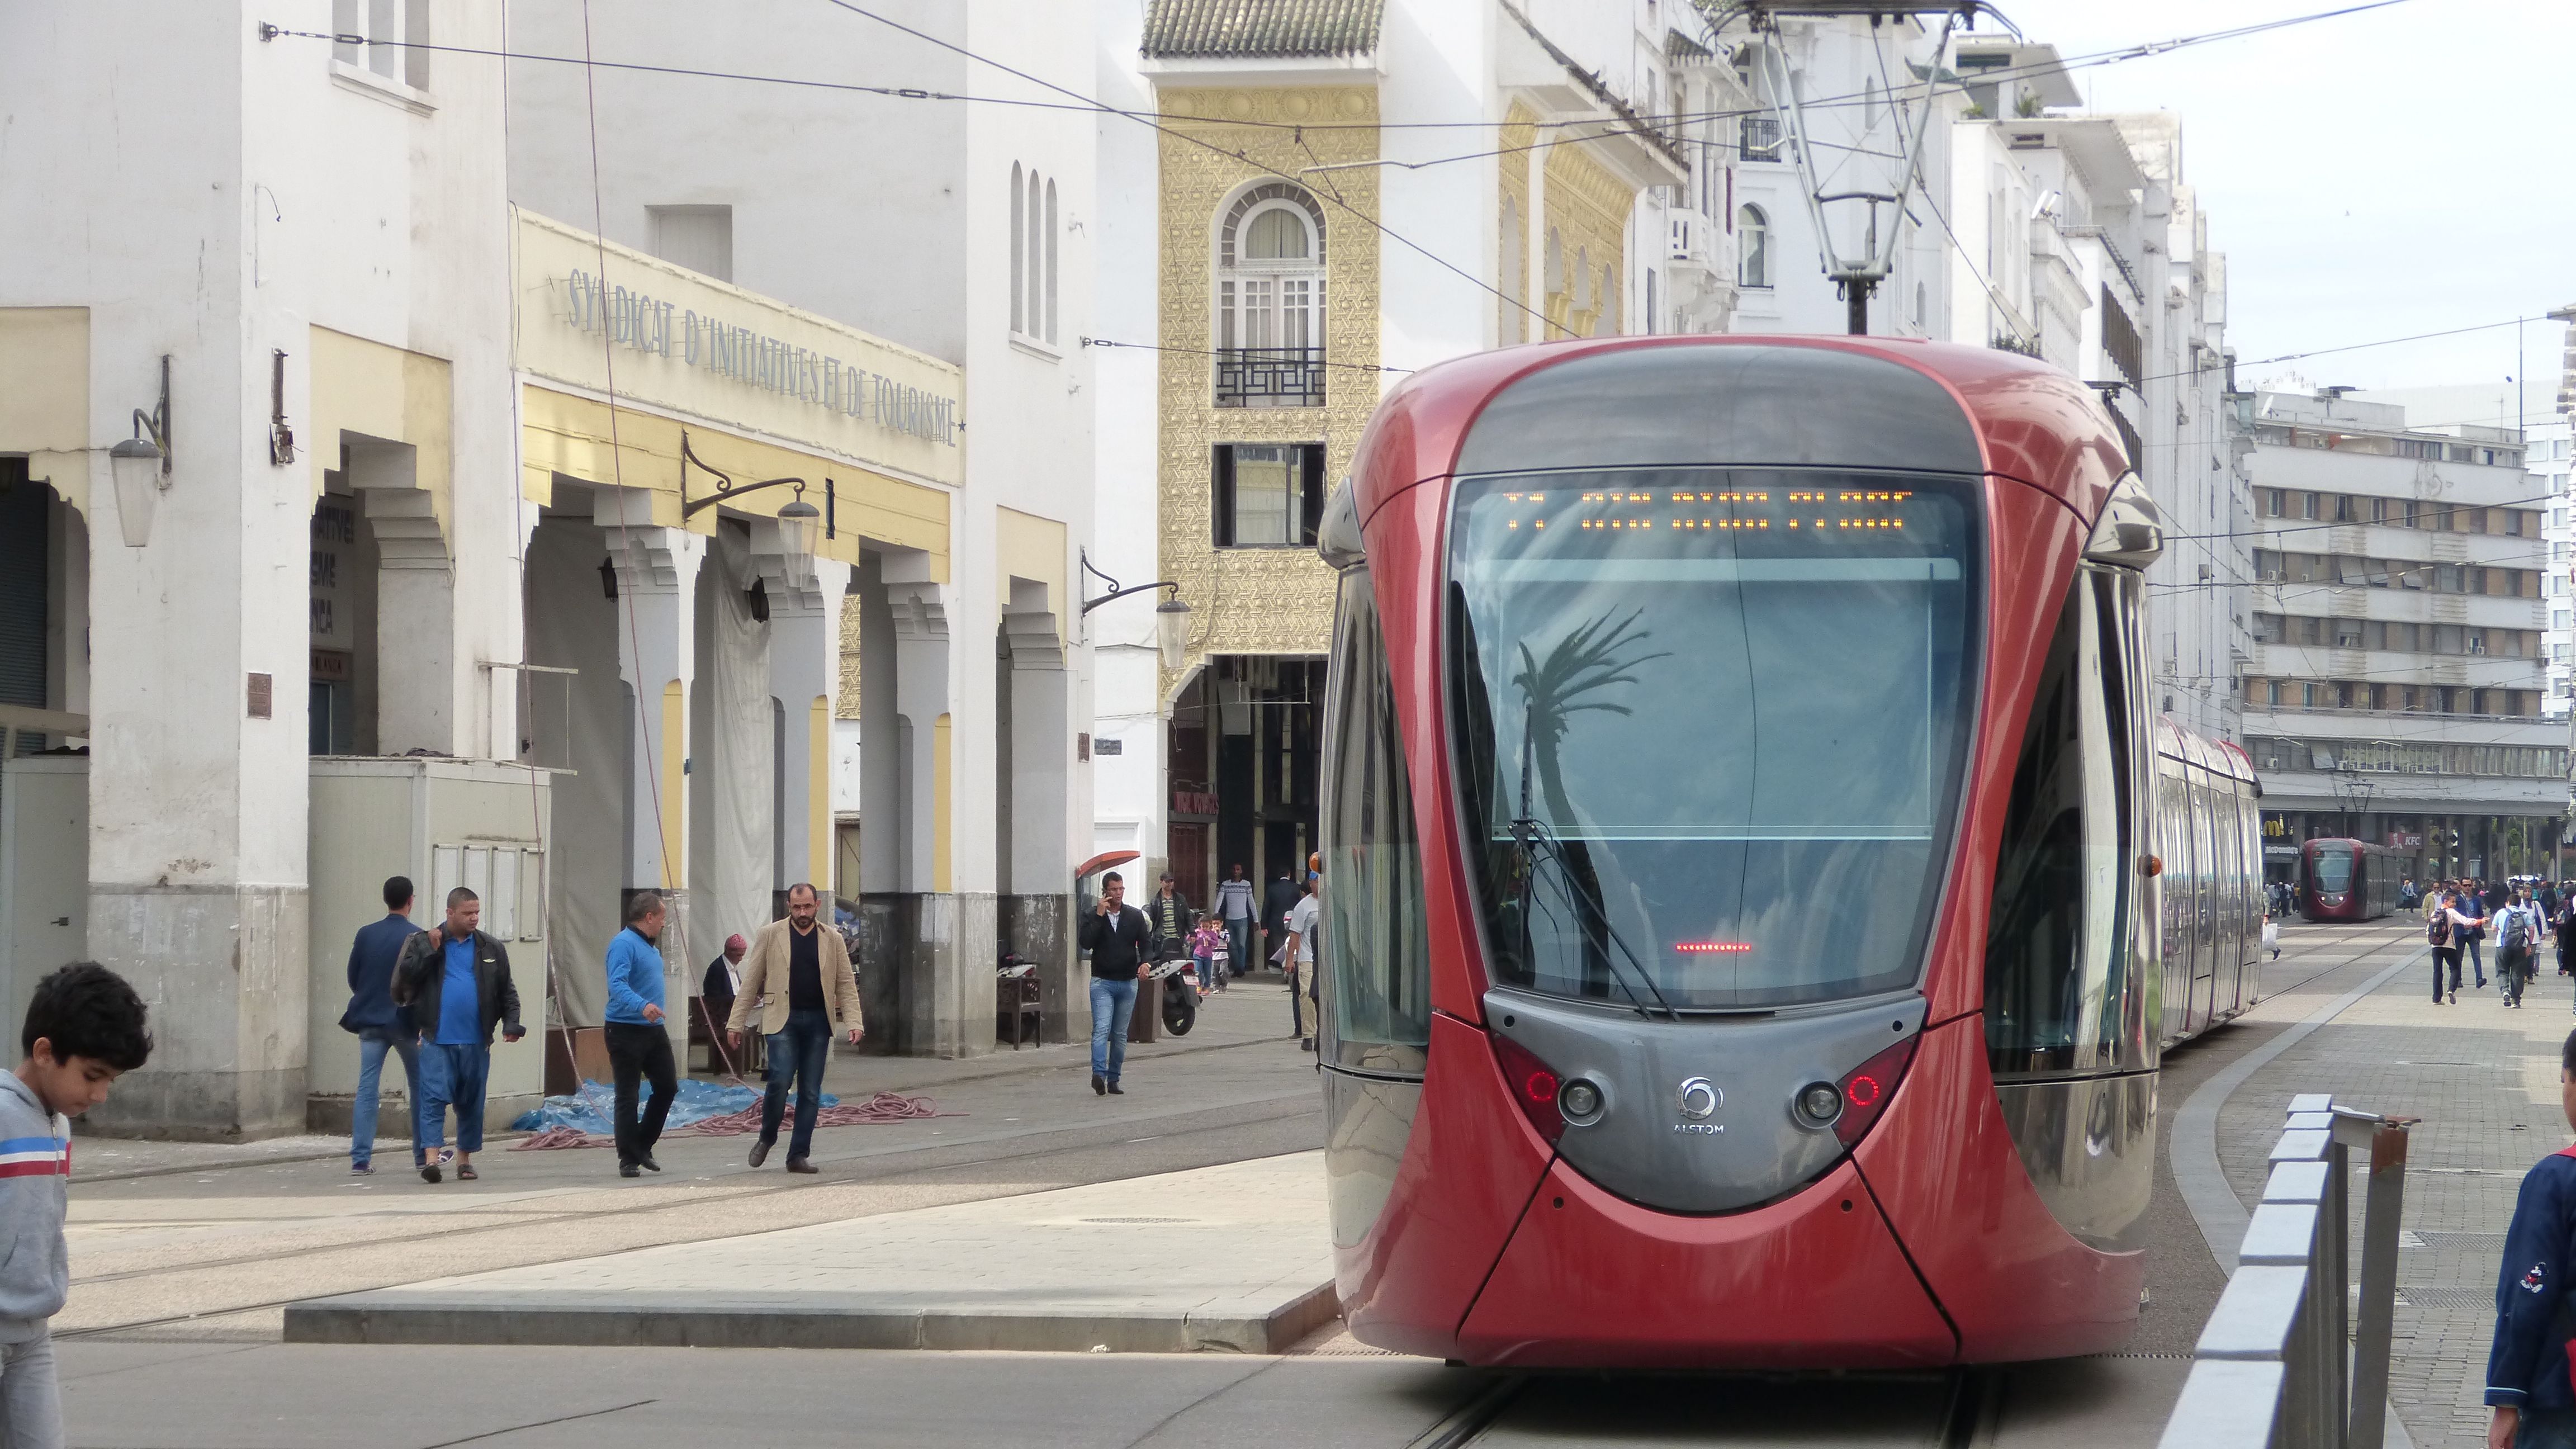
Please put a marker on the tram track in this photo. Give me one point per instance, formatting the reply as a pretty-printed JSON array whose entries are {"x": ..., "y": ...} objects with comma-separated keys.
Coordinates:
[
  {"x": 1231, "y": 1133},
  {"x": 1956, "y": 1409}
]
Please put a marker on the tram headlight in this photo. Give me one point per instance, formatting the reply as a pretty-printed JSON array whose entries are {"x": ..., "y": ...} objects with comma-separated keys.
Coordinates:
[
  {"x": 1819, "y": 1103},
  {"x": 1581, "y": 1102}
]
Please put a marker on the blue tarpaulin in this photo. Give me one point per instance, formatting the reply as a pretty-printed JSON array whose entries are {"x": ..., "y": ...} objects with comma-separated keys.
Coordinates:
[{"x": 586, "y": 1111}]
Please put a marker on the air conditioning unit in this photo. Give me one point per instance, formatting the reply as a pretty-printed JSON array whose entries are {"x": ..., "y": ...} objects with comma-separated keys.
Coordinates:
[{"x": 1687, "y": 232}]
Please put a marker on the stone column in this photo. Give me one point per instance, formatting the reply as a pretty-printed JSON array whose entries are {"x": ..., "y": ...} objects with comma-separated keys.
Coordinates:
[
  {"x": 198, "y": 775},
  {"x": 1036, "y": 918},
  {"x": 804, "y": 677},
  {"x": 657, "y": 571}
]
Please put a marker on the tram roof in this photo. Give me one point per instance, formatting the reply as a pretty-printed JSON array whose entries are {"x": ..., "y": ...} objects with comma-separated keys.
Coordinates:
[{"x": 1791, "y": 401}]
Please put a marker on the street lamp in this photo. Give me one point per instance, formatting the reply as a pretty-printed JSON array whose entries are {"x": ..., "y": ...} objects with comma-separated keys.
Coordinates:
[
  {"x": 799, "y": 522},
  {"x": 1171, "y": 617},
  {"x": 140, "y": 466}
]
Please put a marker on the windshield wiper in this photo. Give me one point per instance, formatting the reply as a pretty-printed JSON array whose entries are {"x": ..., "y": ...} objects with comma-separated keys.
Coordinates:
[{"x": 1537, "y": 843}]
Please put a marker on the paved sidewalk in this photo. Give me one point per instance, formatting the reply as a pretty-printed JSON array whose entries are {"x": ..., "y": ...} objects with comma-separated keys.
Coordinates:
[
  {"x": 1236, "y": 1257},
  {"x": 1250, "y": 1012},
  {"x": 2484, "y": 1079}
]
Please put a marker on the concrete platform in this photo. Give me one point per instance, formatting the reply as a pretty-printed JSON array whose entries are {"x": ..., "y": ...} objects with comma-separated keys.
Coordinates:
[{"x": 1231, "y": 1258}]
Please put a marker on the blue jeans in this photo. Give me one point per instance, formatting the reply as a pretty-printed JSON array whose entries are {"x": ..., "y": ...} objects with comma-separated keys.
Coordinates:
[
  {"x": 798, "y": 1052},
  {"x": 1238, "y": 945},
  {"x": 451, "y": 1076},
  {"x": 373, "y": 1043},
  {"x": 1113, "y": 1005},
  {"x": 2476, "y": 963}
]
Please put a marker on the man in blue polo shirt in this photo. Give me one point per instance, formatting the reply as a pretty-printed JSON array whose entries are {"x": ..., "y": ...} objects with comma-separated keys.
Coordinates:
[
  {"x": 639, "y": 1045},
  {"x": 456, "y": 980}
]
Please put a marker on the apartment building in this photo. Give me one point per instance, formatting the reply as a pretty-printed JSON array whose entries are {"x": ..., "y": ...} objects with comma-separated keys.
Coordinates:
[{"x": 2398, "y": 673}]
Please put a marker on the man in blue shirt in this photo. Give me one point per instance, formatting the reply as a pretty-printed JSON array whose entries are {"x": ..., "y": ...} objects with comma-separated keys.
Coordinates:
[
  {"x": 379, "y": 1025},
  {"x": 638, "y": 1043},
  {"x": 2529, "y": 1370},
  {"x": 456, "y": 980}
]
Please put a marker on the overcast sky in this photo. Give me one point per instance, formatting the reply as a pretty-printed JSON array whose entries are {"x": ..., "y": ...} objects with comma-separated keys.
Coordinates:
[{"x": 2400, "y": 171}]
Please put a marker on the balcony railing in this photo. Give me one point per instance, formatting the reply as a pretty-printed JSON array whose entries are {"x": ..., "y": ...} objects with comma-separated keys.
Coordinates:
[
  {"x": 1761, "y": 138},
  {"x": 1270, "y": 377}
]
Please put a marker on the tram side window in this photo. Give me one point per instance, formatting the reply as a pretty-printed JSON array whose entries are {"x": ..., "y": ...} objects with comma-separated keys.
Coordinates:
[
  {"x": 1377, "y": 962},
  {"x": 2054, "y": 929}
]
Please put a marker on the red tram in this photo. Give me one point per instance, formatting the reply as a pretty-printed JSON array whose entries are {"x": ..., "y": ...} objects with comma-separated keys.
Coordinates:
[
  {"x": 2348, "y": 880},
  {"x": 1746, "y": 835}
]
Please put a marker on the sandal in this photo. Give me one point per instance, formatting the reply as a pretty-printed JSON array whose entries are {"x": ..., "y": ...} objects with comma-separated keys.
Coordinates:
[{"x": 466, "y": 1173}]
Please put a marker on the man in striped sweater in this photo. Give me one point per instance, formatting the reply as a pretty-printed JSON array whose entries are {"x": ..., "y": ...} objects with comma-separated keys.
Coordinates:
[{"x": 85, "y": 1028}]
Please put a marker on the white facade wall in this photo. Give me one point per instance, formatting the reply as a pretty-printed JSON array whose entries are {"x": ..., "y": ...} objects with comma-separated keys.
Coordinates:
[
  {"x": 892, "y": 215},
  {"x": 216, "y": 197}
]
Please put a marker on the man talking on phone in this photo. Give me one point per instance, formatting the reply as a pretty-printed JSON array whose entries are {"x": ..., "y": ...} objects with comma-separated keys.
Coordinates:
[{"x": 1120, "y": 942}]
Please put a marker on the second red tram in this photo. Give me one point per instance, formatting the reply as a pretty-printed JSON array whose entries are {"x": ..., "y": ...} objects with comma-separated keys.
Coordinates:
[
  {"x": 1757, "y": 892},
  {"x": 2347, "y": 880}
]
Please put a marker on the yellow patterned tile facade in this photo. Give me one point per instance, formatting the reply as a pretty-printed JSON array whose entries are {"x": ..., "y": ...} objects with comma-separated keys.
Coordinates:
[
  {"x": 1587, "y": 208},
  {"x": 1511, "y": 229},
  {"x": 1258, "y": 600}
]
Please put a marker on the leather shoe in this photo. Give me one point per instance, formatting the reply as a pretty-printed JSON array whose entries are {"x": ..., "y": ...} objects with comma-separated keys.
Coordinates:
[
  {"x": 1116, "y": 1090},
  {"x": 759, "y": 1153},
  {"x": 628, "y": 1169},
  {"x": 799, "y": 1164},
  {"x": 1099, "y": 1084},
  {"x": 648, "y": 1164}
]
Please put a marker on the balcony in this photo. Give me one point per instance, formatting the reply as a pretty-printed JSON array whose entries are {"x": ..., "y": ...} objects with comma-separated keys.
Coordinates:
[
  {"x": 1270, "y": 377},
  {"x": 1760, "y": 138}
]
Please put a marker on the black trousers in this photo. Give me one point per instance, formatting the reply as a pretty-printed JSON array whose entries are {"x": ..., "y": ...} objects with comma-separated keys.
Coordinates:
[
  {"x": 2445, "y": 955},
  {"x": 634, "y": 1052}
]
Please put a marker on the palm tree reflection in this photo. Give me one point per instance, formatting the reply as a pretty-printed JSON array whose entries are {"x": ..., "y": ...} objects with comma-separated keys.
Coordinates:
[{"x": 1595, "y": 657}]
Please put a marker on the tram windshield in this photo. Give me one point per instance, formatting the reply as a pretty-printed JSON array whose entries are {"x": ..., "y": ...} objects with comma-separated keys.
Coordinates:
[
  {"x": 2332, "y": 868},
  {"x": 1711, "y": 725}
]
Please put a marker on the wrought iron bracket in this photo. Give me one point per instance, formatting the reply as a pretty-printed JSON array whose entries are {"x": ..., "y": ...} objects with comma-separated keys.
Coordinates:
[{"x": 725, "y": 486}]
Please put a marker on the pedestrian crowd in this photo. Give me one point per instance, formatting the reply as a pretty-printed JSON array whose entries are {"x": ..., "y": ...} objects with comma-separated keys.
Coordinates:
[
  {"x": 434, "y": 999},
  {"x": 2524, "y": 918}
]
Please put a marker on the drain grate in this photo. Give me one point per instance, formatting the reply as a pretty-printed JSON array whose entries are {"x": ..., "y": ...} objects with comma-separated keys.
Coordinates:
[{"x": 2447, "y": 1298}]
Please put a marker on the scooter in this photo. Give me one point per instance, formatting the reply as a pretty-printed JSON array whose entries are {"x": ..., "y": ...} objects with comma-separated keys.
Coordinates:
[{"x": 1180, "y": 993}]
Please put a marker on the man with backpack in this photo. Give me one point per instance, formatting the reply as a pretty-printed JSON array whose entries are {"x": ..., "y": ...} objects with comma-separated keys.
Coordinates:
[
  {"x": 2517, "y": 940},
  {"x": 2528, "y": 1386},
  {"x": 2472, "y": 898},
  {"x": 2444, "y": 929}
]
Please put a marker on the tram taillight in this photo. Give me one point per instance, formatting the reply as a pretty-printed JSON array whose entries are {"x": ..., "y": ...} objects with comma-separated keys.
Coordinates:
[
  {"x": 1533, "y": 1083},
  {"x": 1865, "y": 1089}
]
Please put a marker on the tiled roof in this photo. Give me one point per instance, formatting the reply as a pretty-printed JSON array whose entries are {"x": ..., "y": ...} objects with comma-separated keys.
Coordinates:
[{"x": 1262, "y": 27}]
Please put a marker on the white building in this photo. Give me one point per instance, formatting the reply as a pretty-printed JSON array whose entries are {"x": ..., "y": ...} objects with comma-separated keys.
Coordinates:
[
  {"x": 447, "y": 514},
  {"x": 2396, "y": 687},
  {"x": 2547, "y": 455}
]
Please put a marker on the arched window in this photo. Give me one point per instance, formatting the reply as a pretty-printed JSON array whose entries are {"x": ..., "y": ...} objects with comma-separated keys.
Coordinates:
[
  {"x": 1034, "y": 243},
  {"x": 1514, "y": 282},
  {"x": 1753, "y": 238},
  {"x": 1270, "y": 300},
  {"x": 1036, "y": 254},
  {"x": 1605, "y": 315},
  {"x": 1019, "y": 253},
  {"x": 1052, "y": 232}
]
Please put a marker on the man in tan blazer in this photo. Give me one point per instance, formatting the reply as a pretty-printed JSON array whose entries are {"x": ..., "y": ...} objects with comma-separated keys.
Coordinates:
[{"x": 804, "y": 972}]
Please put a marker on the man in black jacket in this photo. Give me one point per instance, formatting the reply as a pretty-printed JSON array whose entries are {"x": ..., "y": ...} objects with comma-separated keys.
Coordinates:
[
  {"x": 1120, "y": 941},
  {"x": 456, "y": 980},
  {"x": 1276, "y": 902}
]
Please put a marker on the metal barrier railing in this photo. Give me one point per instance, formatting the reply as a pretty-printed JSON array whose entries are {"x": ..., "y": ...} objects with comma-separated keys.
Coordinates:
[{"x": 2272, "y": 1367}]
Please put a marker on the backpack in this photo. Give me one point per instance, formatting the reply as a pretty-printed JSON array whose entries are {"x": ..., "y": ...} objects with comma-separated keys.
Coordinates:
[
  {"x": 2437, "y": 931},
  {"x": 2517, "y": 929}
]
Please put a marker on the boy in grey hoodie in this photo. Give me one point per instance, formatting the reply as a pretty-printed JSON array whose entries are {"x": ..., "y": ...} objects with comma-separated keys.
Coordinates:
[{"x": 84, "y": 1029}]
